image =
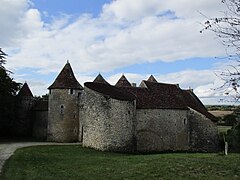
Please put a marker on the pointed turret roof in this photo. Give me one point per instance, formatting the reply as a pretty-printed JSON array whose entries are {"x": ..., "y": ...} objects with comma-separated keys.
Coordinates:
[
  {"x": 25, "y": 91},
  {"x": 123, "y": 82},
  {"x": 100, "y": 79},
  {"x": 152, "y": 79},
  {"x": 66, "y": 79}
]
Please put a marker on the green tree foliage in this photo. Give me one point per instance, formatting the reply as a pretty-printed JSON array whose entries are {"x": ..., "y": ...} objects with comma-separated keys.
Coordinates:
[
  {"x": 8, "y": 89},
  {"x": 233, "y": 137},
  {"x": 230, "y": 119}
]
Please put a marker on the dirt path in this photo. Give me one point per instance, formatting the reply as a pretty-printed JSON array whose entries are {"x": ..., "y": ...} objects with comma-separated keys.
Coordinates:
[{"x": 7, "y": 149}]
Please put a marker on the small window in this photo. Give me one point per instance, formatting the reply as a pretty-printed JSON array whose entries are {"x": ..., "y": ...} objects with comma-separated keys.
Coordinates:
[
  {"x": 79, "y": 94},
  {"x": 71, "y": 91},
  {"x": 62, "y": 109},
  {"x": 185, "y": 121}
]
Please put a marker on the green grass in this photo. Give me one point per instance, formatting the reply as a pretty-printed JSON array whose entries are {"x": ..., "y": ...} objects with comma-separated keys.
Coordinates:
[{"x": 75, "y": 162}]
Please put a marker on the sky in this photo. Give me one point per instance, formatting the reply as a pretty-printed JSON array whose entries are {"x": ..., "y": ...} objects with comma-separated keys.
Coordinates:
[{"x": 136, "y": 38}]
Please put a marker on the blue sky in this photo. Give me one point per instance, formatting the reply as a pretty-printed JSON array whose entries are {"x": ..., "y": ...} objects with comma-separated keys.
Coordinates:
[
  {"x": 74, "y": 7},
  {"x": 136, "y": 38}
]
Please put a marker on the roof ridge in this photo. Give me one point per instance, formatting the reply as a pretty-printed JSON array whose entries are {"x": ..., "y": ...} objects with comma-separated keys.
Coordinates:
[{"x": 162, "y": 83}]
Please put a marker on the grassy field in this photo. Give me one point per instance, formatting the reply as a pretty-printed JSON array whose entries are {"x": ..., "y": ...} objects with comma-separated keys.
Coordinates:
[
  {"x": 218, "y": 113},
  {"x": 74, "y": 162},
  {"x": 224, "y": 129}
]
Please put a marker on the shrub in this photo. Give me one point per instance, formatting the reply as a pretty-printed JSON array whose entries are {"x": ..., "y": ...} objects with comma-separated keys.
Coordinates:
[
  {"x": 233, "y": 138},
  {"x": 230, "y": 119}
]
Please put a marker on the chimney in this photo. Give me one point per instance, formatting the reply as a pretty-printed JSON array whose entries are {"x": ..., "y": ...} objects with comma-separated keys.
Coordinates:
[
  {"x": 190, "y": 89},
  {"x": 134, "y": 84}
]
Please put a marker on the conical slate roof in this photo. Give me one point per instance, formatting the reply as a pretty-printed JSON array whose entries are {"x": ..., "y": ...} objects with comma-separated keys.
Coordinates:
[
  {"x": 100, "y": 79},
  {"x": 25, "y": 91},
  {"x": 123, "y": 82},
  {"x": 66, "y": 79},
  {"x": 152, "y": 79}
]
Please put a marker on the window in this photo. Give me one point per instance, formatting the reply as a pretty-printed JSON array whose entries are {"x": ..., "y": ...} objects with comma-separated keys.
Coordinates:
[
  {"x": 185, "y": 121},
  {"x": 62, "y": 109},
  {"x": 79, "y": 94},
  {"x": 71, "y": 91}
]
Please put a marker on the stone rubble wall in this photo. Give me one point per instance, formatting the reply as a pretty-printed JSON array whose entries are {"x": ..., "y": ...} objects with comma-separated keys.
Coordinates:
[
  {"x": 162, "y": 130},
  {"x": 109, "y": 123},
  {"x": 40, "y": 125},
  {"x": 63, "y": 123},
  {"x": 22, "y": 125},
  {"x": 203, "y": 133}
]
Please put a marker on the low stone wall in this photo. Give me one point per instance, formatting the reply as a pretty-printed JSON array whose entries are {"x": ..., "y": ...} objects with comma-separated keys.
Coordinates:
[
  {"x": 203, "y": 133},
  {"x": 109, "y": 123},
  {"x": 162, "y": 130}
]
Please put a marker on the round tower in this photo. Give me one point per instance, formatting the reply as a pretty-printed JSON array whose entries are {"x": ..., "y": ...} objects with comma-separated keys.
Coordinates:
[{"x": 63, "y": 112}]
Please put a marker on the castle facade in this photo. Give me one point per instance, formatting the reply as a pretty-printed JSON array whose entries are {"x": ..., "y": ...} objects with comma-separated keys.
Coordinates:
[{"x": 153, "y": 117}]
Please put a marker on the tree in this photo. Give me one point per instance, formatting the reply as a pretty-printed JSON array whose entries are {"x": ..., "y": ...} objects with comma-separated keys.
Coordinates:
[
  {"x": 8, "y": 89},
  {"x": 227, "y": 28}
]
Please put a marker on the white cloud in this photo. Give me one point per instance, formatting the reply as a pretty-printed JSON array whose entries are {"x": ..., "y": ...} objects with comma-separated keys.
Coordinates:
[
  {"x": 106, "y": 43},
  {"x": 125, "y": 33}
]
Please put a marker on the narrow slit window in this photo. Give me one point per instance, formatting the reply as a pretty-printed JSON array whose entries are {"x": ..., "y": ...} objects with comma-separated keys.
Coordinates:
[
  {"x": 62, "y": 109},
  {"x": 185, "y": 121}
]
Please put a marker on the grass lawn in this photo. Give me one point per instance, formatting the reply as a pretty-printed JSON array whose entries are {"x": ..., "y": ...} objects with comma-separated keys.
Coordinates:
[{"x": 75, "y": 162}]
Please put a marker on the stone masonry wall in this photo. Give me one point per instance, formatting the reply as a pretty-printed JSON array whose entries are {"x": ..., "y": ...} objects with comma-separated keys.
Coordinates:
[
  {"x": 109, "y": 123},
  {"x": 24, "y": 117},
  {"x": 40, "y": 125},
  {"x": 63, "y": 120},
  {"x": 162, "y": 130},
  {"x": 203, "y": 134}
]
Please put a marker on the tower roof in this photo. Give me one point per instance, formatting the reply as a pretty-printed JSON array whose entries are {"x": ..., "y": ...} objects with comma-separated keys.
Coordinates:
[
  {"x": 25, "y": 91},
  {"x": 66, "y": 79},
  {"x": 123, "y": 82},
  {"x": 100, "y": 79},
  {"x": 152, "y": 79}
]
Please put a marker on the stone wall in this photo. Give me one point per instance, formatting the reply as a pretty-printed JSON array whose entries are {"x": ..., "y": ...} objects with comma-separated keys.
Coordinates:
[
  {"x": 109, "y": 123},
  {"x": 162, "y": 130},
  {"x": 24, "y": 117},
  {"x": 63, "y": 120},
  {"x": 40, "y": 125},
  {"x": 203, "y": 133}
]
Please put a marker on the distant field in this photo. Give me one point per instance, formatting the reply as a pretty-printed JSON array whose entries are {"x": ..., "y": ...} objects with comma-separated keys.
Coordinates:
[
  {"x": 223, "y": 129},
  {"x": 75, "y": 162},
  {"x": 220, "y": 113}
]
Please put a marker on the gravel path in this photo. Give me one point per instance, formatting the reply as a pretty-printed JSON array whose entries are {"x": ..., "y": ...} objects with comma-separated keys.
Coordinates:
[{"x": 7, "y": 149}]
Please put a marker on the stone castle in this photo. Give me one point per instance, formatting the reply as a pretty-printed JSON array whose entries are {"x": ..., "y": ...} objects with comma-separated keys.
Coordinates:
[{"x": 153, "y": 117}]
